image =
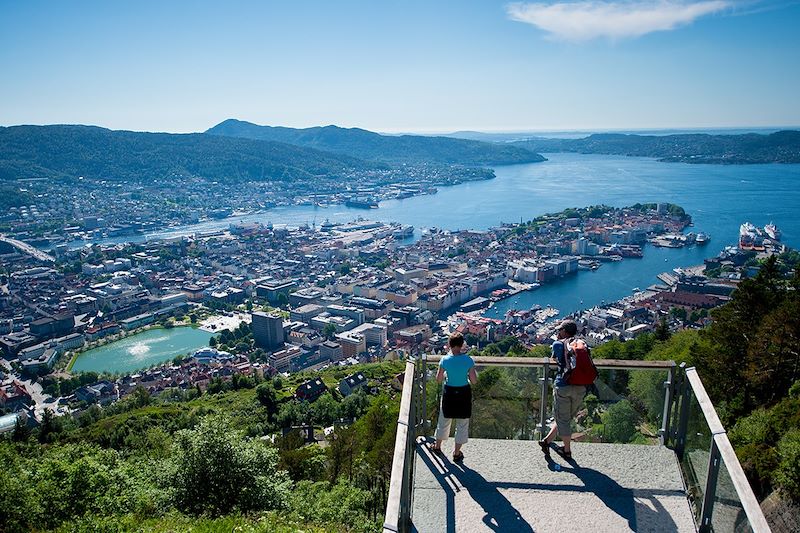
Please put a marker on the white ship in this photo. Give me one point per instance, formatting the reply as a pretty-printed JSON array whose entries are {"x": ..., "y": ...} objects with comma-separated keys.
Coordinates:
[
  {"x": 403, "y": 232},
  {"x": 772, "y": 231},
  {"x": 750, "y": 237},
  {"x": 702, "y": 238}
]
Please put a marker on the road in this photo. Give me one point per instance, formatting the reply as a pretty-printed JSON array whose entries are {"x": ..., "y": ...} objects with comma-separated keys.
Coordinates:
[{"x": 28, "y": 249}]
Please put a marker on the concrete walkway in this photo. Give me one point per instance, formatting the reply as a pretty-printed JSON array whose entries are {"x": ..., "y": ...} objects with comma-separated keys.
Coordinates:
[{"x": 507, "y": 485}]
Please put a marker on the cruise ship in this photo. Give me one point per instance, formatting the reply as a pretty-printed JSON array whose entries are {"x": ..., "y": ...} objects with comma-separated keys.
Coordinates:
[
  {"x": 750, "y": 237},
  {"x": 702, "y": 238},
  {"x": 772, "y": 231},
  {"x": 403, "y": 232},
  {"x": 362, "y": 203}
]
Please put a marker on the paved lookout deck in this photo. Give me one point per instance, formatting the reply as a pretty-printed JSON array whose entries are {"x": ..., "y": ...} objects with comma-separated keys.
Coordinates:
[{"x": 505, "y": 485}]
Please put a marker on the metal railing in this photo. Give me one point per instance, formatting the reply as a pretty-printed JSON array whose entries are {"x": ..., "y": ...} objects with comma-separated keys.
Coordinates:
[{"x": 684, "y": 394}]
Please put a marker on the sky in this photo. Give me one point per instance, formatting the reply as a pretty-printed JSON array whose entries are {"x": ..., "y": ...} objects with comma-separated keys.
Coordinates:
[{"x": 391, "y": 66}]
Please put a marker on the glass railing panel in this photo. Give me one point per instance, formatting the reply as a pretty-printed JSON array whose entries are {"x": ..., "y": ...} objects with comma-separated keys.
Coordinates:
[
  {"x": 728, "y": 515},
  {"x": 696, "y": 456},
  {"x": 506, "y": 403},
  {"x": 624, "y": 406}
]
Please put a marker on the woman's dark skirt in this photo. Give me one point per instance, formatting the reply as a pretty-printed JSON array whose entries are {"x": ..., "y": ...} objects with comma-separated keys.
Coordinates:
[{"x": 457, "y": 402}]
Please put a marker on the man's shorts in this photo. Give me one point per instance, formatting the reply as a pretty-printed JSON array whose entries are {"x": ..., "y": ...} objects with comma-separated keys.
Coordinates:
[{"x": 566, "y": 401}]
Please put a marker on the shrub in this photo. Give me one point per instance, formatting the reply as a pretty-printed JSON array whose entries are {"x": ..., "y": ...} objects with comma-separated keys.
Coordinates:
[
  {"x": 788, "y": 473},
  {"x": 215, "y": 470},
  {"x": 620, "y": 422}
]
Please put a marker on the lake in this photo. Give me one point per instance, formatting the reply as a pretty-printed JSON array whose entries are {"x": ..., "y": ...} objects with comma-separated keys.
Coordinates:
[
  {"x": 142, "y": 350},
  {"x": 718, "y": 197}
]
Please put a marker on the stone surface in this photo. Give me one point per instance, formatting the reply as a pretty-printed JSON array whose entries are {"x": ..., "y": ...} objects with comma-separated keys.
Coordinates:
[{"x": 509, "y": 486}]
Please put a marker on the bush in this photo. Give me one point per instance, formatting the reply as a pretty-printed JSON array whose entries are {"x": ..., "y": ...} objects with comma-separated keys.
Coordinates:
[
  {"x": 341, "y": 504},
  {"x": 788, "y": 473},
  {"x": 620, "y": 422},
  {"x": 215, "y": 470}
]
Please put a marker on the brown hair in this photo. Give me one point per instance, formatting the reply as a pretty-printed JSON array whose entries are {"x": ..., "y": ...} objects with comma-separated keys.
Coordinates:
[
  {"x": 570, "y": 327},
  {"x": 455, "y": 340}
]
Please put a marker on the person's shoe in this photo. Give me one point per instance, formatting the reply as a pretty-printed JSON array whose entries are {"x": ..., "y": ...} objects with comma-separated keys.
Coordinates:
[
  {"x": 435, "y": 449},
  {"x": 457, "y": 458},
  {"x": 545, "y": 447},
  {"x": 563, "y": 453}
]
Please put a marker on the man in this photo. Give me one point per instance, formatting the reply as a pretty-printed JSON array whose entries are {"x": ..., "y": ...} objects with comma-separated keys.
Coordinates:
[{"x": 566, "y": 398}]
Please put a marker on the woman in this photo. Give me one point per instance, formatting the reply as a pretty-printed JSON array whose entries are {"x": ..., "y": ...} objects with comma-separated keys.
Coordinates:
[{"x": 457, "y": 370}]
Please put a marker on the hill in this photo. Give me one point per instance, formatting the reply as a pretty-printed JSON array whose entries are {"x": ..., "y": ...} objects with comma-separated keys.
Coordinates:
[
  {"x": 365, "y": 144},
  {"x": 750, "y": 148},
  {"x": 67, "y": 151}
]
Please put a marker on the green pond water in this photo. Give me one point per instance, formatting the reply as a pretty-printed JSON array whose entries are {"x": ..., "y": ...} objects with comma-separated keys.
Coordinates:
[{"x": 142, "y": 350}]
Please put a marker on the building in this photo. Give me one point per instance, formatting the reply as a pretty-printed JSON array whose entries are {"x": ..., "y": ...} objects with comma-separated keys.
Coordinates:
[
  {"x": 353, "y": 344},
  {"x": 374, "y": 334},
  {"x": 271, "y": 290},
  {"x": 330, "y": 350},
  {"x": 14, "y": 397},
  {"x": 310, "y": 390},
  {"x": 283, "y": 360},
  {"x": 306, "y": 312},
  {"x": 268, "y": 330},
  {"x": 352, "y": 383},
  {"x": 306, "y": 296}
]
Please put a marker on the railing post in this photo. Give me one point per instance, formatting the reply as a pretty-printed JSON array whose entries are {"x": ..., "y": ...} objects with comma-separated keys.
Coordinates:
[
  {"x": 543, "y": 401},
  {"x": 668, "y": 396},
  {"x": 711, "y": 488},
  {"x": 683, "y": 416},
  {"x": 425, "y": 422}
]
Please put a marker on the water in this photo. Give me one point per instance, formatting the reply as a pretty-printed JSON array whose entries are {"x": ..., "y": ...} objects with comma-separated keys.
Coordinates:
[
  {"x": 142, "y": 350},
  {"x": 718, "y": 197}
]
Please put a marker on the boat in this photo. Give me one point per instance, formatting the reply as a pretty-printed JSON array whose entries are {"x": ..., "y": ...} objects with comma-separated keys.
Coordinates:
[
  {"x": 403, "y": 232},
  {"x": 702, "y": 238},
  {"x": 750, "y": 237},
  {"x": 772, "y": 231},
  {"x": 362, "y": 203}
]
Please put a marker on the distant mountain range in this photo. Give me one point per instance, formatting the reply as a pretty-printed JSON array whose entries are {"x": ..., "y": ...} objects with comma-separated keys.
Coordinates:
[
  {"x": 778, "y": 147},
  {"x": 365, "y": 144},
  {"x": 72, "y": 151},
  {"x": 231, "y": 150}
]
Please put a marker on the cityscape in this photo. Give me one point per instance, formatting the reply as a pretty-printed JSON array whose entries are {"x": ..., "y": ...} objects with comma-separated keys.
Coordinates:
[{"x": 259, "y": 262}]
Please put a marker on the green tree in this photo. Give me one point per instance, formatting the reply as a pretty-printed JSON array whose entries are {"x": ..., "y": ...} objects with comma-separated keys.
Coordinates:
[
  {"x": 620, "y": 422},
  {"x": 662, "y": 332},
  {"x": 329, "y": 331},
  {"x": 215, "y": 470},
  {"x": 268, "y": 397}
]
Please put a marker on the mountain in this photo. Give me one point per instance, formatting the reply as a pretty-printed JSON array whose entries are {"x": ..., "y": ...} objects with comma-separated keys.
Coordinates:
[
  {"x": 66, "y": 151},
  {"x": 750, "y": 148},
  {"x": 365, "y": 144}
]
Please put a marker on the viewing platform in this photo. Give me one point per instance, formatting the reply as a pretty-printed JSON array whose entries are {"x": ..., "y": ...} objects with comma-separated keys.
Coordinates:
[
  {"x": 683, "y": 476},
  {"x": 507, "y": 485}
]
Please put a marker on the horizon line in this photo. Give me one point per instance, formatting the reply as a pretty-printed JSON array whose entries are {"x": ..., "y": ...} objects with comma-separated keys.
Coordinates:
[{"x": 452, "y": 131}]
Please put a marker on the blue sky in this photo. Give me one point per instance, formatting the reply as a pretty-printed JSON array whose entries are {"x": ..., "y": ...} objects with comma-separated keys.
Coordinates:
[{"x": 401, "y": 66}]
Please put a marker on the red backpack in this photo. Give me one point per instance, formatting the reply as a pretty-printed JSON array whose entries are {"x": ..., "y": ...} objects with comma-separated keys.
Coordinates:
[{"x": 580, "y": 367}]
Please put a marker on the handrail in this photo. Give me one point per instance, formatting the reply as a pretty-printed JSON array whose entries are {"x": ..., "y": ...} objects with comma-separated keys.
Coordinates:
[
  {"x": 680, "y": 385},
  {"x": 394, "y": 521},
  {"x": 721, "y": 448},
  {"x": 606, "y": 364}
]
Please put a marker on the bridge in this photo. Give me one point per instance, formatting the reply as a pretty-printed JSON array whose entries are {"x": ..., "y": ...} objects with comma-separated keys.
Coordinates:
[
  {"x": 683, "y": 477},
  {"x": 28, "y": 249}
]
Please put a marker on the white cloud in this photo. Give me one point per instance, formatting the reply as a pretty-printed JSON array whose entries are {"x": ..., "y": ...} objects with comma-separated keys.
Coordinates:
[{"x": 585, "y": 20}]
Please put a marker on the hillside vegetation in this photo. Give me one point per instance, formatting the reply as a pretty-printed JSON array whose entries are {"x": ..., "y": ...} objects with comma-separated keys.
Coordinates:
[
  {"x": 365, "y": 144},
  {"x": 98, "y": 153},
  {"x": 779, "y": 147}
]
